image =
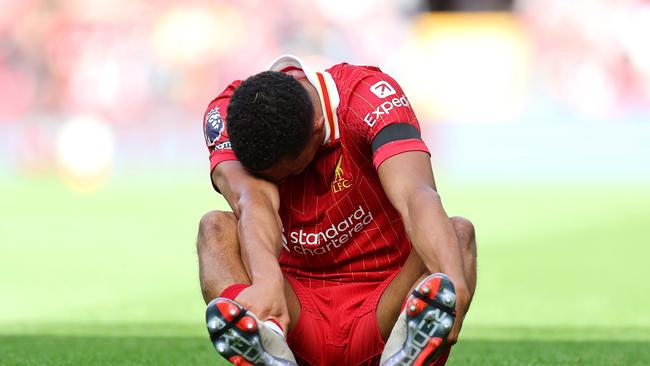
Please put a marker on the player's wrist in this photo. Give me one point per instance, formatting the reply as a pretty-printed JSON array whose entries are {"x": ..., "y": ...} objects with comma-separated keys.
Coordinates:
[{"x": 271, "y": 277}]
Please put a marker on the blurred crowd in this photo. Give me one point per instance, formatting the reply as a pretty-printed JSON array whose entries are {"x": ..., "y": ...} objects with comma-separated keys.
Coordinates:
[
  {"x": 134, "y": 76},
  {"x": 595, "y": 55},
  {"x": 121, "y": 59},
  {"x": 149, "y": 68}
]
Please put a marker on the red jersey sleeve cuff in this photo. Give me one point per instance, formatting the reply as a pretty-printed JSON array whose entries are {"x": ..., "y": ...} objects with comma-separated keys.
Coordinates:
[
  {"x": 220, "y": 157},
  {"x": 397, "y": 147}
]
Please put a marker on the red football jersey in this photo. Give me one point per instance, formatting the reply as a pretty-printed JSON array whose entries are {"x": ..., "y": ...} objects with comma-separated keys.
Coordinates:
[{"x": 338, "y": 224}]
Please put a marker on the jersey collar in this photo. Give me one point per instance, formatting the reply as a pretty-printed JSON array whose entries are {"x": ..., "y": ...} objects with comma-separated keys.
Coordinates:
[{"x": 325, "y": 86}]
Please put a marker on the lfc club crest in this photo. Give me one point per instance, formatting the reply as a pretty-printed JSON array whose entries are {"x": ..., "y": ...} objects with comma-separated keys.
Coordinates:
[{"x": 340, "y": 182}]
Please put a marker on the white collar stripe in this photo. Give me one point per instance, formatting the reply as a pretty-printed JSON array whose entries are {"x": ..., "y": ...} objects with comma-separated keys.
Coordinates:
[
  {"x": 328, "y": 112},
  {"x": 325, "y": 86}
]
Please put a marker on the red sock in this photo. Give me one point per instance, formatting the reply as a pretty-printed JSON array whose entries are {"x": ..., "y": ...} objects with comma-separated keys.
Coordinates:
[{"x": 233, "y": 290}]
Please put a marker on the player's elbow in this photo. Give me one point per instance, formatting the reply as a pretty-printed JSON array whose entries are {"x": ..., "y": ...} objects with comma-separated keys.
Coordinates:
[
  {"x": 261, "y": 195},
  {"x": 423, "y": 197},
  {"x": 418, "y": 204}
]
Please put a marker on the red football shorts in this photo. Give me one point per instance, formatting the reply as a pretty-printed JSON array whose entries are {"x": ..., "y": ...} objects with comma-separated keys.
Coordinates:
[{"x": 338, "y": 324}]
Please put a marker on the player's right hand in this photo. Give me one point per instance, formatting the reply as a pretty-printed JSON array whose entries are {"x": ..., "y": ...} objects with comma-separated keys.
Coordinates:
[{"x": 266, "y": 301}]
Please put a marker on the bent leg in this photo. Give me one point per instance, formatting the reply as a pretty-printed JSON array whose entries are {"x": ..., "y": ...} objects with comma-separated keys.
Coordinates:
[
  {"x": 414, "y": 271},
  {"x": 220, "y": 263}
]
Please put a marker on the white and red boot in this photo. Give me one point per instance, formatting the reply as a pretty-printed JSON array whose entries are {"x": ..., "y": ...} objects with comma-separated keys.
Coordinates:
[
  {"x": 418, "y": 337},
  {"x": 241, "y": 338}
]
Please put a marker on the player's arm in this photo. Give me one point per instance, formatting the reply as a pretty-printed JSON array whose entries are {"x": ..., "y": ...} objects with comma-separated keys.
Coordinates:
[
  {"x": 408, "y": 181},
  {"x": 255, "y": 203},
  {"x": 383, "y": 118}
]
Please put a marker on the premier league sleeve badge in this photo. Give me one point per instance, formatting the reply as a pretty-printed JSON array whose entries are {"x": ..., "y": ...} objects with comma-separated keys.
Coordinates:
[{"x": 213, "y": 126}]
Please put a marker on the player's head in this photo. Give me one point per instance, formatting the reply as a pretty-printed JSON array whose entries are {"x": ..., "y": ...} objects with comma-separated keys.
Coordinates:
[{"x": 272, "y": 125}]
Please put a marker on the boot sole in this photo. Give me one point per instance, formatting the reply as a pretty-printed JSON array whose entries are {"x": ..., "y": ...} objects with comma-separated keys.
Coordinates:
[
  {"x": 429, "y": 317},
  {"x": 235, "y": 336}
]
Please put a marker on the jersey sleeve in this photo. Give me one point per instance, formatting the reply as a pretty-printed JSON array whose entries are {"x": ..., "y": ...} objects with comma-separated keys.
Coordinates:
[
  {"x": 214, "y": 128},
  {"x": 375, "y": 102}
]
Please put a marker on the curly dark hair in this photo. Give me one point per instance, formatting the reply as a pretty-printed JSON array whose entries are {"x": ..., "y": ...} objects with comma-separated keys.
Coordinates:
[{"x": 270, "y": 116}]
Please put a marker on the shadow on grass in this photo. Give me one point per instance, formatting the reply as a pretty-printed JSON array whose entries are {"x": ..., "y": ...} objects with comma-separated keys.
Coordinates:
[{"x": 147, "y": 350}]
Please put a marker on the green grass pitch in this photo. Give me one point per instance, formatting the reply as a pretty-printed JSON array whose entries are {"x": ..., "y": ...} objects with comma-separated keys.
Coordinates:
[{"x": 111, "y": 278}]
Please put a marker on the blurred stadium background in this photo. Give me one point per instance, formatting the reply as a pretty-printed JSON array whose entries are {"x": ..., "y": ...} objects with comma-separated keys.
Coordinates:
[{"x": 537, "y": 114}]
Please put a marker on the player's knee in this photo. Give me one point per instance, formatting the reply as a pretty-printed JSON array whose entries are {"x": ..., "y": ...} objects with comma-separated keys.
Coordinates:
[
  {"x": 215, "y": 223},
  {"x": 466, "y": 234}
]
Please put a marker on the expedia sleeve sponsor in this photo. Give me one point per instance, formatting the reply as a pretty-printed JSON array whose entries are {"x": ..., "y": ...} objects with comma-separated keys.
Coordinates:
[
  {"x": 384, "y": 109},
  {"x": 376, "y": 101}
]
